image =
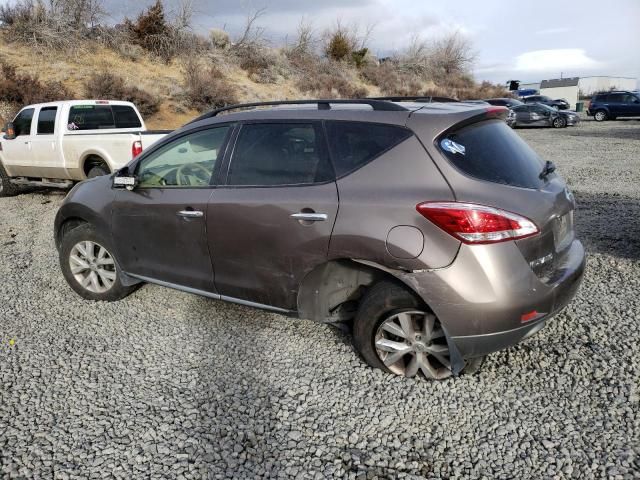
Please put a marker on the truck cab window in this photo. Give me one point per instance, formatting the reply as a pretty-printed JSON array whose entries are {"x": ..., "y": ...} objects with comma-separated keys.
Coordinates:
[
  {"x": 47, "y": 120},
  {"x": 22, "y": 123},
  {"x": 90, "y": 117}
]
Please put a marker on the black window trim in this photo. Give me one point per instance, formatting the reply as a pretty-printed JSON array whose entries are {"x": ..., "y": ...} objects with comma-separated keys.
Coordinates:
[
  {"x": 349, "y": 172},
  {"x": 214, "y": 181},
  {"x": 282, "y": 121},
  {"x": 47, "y": 107}
]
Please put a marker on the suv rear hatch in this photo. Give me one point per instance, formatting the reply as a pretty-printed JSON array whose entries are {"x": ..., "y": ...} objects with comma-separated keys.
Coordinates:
[{"x": 487, "y": 163}]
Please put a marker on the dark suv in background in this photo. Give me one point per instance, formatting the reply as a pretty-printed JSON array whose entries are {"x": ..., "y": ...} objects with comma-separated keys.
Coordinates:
[
  {"x": 432, "y": 227},
  {"x": 611, "y": 105}
]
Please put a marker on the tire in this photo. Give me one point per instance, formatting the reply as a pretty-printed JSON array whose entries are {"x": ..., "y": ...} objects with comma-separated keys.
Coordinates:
[
  {"x": 7, "y": 189},
  {"x": 109, "y": 287},
  {"x": 600, "y": 116},
  {"x": 559, "y": 122},
  {"x": 388, "y": 303},
  {"x": 98, "y": 171}
]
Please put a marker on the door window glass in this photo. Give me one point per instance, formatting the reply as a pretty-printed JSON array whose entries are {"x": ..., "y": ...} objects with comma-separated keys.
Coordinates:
[
  {"x": 47, "y": 120},
  {"x": 272, "y": 154},
  {"x": 90, "y": 117},
  {"x": 185, "y": 162},
  {"x": 22, "y": 123}
]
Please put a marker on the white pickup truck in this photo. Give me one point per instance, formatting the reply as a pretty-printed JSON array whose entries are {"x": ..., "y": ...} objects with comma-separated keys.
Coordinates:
[{"x": 59, "y": 143}]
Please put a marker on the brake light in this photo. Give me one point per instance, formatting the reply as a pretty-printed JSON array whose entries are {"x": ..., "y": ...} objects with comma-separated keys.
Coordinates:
[
  {"x": 496, "y": 111},
  {"x": 102, "y": 102},
  {"x": 477, "y": 224},
  {"x": 136, "y": 148}
]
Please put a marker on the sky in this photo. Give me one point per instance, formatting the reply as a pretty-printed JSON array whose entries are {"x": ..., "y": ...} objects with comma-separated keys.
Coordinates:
[{"x": 524, "y": 40}]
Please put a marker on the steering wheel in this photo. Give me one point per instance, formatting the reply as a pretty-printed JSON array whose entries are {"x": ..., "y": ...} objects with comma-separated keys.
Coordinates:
[{"x": 182, "y": 178}]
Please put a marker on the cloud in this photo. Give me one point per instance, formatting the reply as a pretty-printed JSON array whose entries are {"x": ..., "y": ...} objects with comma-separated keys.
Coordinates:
[
  {"x": 556, "y": 60},
  {"x": 553, "y": 31}
]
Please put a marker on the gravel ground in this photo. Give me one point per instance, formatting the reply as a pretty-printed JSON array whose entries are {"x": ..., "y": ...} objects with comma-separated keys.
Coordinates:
[{"x": 169, "y": 385}]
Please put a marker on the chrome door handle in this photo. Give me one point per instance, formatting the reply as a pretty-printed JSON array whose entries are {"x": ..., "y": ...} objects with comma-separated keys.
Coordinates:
[
  {"x": 310, "y": 217},
  {"x": 190, "y": 214}
]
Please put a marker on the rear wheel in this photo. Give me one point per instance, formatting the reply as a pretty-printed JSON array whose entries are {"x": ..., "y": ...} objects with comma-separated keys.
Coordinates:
[
  {"x": 600, "y": 116},
  {"x": 559, "y": 122},
  {"x": 89, "y": 267},
  {"x": 396, "y": 332},
  {"x": 7, "y": 189}
]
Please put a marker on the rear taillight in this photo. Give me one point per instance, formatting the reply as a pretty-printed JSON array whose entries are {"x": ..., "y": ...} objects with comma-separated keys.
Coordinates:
[
  {"x": 477, "y": 224},
  {"x": 136, "y": 148},
  {"x": 496, "y": 111}
]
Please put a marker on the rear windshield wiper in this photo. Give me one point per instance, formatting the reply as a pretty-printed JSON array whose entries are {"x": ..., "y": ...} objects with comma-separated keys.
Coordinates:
[{"x": 549, "y": 168}]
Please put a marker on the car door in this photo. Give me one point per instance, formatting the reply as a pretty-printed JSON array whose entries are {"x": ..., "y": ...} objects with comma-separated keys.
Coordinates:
[
  {"x": 629, "y": 105},
  {"x": 616, "y": 104},
  {"x": 540, "y": 116},
  {"x": 44, "y": 151},
  {"x": 16, "y": 153},
  {"x": 271, "y": 223},
  {"x": 159, "y": 227},
  {"x": 523, "y": 116}
]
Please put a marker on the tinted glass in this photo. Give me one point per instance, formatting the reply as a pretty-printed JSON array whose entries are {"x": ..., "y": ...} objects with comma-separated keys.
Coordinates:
[
  {"x": 520, "y": 108},
  {"x": 491, "y": 151},
  {"x": 279, "y": 154},
  {"x": 22, "y": 123},
  {"x": 185, "y": 162},
  {"x": 90, "y": 117},
  {"x": 47, "y": 120},
  {"x": 125, "y": 117},
  {"x": 616, "y": 98},
  {"x": 354, "y": 144}
]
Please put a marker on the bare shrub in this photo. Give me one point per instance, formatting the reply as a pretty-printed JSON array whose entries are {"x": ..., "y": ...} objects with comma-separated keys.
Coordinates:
[
  {"x": 391, "y": 80},
  {"x": 207, "y": 87},
  {"x": 219, "y": 39},
  {"x": 24, "y": 89},
  {"x": 108, "y": 86},
  {"x": 329, "y": 79},
  {"x": 451, "y": 55}
]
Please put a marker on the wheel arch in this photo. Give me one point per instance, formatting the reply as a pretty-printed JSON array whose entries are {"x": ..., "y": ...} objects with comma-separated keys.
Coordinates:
[
  {"x": 92, "y": 158},
  {"x": 331, "y": 291}
]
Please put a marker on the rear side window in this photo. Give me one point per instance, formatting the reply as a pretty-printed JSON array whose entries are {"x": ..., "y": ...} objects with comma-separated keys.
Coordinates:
[
  {"x": 22, "y": 123},
  {"x": 47, "y": 120},
  {"x": 491, "y": 151},
  {"x": 354, "y": 144},
  {"x": 273, "y": 154},
  {"x": 125, "y": 117},
  {"x": 90, "y": 117}
]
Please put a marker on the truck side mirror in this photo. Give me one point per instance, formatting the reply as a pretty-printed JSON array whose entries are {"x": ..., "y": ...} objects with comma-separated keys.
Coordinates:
[{"x": 9, "y": 131}]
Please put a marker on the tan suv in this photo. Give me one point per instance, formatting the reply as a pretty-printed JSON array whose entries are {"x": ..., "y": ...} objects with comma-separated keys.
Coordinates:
[{"x": 432, "y": 227}]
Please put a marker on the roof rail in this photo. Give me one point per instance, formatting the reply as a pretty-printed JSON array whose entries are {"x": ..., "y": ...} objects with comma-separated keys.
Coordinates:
[
  {"x": 418, "y": 99},
  {"x": 323, "y": 104}
]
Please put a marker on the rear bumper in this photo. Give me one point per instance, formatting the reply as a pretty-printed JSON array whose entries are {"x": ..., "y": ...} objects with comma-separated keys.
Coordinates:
[{"x": 482, "y": 297}]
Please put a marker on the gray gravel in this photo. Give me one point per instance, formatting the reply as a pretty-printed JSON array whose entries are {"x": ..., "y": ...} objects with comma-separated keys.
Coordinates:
[{"x": 169, "y": 385}]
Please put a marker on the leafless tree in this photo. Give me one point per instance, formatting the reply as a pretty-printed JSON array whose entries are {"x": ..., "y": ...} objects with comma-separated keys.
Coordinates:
[{"x": 252, "y": 34}]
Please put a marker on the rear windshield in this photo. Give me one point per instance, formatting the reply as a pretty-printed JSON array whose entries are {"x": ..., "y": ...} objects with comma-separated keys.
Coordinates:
[
  {"x": 98, "y": 117},
  {"x": 491, "y": 151}
]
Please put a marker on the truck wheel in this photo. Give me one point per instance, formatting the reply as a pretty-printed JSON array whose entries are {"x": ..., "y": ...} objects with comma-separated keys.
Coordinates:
[
  {"x": 89, "y": 267},
  {"x": 98, "y": 171},
  {"x": 394, "y": 331},
  {"x": 600, "y": 116},
  {"x": 7, "y": 189}
]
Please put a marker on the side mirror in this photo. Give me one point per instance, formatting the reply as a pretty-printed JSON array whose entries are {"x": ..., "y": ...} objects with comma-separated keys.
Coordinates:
[
  {"x": 9, "y": 131},
  {"x": 123, "y": 179}
]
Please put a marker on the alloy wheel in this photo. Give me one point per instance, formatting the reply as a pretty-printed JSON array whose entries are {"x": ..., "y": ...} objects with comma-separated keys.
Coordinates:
[
  {"x": 413, "y": 341},
  {"x": 92, "y": 266}
]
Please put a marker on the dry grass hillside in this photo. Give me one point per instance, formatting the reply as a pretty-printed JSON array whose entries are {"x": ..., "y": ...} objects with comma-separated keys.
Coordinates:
[{"x": 173, "y": 74}]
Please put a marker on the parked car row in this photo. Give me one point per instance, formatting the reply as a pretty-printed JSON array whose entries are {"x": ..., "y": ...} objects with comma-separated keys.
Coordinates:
[{"x": 531, "y": 114}]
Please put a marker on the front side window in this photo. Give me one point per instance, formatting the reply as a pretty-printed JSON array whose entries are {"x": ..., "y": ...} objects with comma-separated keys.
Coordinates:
[
  {"x": 47, "y": 120},
  {"x": 185, "y": 162},
  {"x": 271, "y": 154},
  {"x": 90, "y": 117},
  {"x": 22, "y": 123},
  {"x": 354, "y": 144}
]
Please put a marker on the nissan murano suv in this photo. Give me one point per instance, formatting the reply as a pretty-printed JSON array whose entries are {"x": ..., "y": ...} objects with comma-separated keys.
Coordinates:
[{"x": 431, "y": 227}]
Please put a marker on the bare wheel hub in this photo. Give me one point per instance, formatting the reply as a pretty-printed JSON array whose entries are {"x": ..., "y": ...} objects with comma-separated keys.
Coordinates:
[{"x": 413, "y": 341}]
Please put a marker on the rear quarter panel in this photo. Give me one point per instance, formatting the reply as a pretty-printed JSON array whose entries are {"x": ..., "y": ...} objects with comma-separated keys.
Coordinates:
[
  {"x": 114, "y": 149},
  {"x": 382, "y": 195}
]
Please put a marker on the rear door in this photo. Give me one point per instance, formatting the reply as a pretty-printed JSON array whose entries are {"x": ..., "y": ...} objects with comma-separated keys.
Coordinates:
[
  {"x": 159, "y": 228},
  {"x": 45, "y": 152},
  {"x": 270, "y": 224},
  {"x": 540, "y": 116}
]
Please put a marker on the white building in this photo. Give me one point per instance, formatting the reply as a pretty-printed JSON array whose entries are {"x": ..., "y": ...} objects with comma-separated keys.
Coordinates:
[{"x": 590, "y": 85}]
